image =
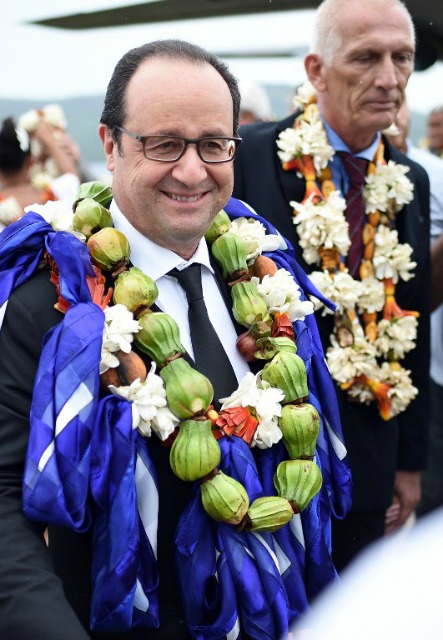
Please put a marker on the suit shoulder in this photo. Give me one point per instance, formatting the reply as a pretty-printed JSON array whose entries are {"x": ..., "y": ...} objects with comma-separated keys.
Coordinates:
[
  {"x": 36, "y": 297},
  {"x": 264, "y": 130}
]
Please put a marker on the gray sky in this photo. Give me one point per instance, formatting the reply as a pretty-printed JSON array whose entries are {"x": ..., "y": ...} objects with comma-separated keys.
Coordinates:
[{"x": 44, "y": 63}]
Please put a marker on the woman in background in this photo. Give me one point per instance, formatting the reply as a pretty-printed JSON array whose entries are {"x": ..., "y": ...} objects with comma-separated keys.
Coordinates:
[{"x": 18, "y": 189}]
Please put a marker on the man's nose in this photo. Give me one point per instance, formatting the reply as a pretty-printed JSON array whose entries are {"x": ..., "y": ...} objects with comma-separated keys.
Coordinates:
[
  {"x": 190, "y": 168},
  {"x": 387, "y": 75}
]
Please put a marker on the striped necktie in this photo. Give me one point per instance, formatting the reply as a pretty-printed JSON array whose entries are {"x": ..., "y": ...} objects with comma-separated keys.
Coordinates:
[{"x": 355, "y": 207}]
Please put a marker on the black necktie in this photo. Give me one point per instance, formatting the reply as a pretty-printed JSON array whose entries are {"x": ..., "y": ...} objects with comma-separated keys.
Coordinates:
[
  {"x": 355, "y": 207},
  {"x": 209, "y": 356}
]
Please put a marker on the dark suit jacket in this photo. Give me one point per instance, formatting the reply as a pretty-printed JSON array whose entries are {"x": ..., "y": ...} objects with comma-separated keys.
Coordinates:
[
  {"x": 376, "y": 448},
  {"x": 34, "y": 602}
]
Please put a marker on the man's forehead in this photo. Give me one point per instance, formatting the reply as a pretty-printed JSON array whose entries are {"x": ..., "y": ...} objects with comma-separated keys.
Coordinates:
[
  {"x": 169, "y": 68},
  {"x": 169, "y": 77},
  {"x": 366, "y": 24},
  {"x": 169, "y": 91}
]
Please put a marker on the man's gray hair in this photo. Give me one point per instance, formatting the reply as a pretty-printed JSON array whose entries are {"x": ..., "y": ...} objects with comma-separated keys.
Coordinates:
[
  {"x": 327, "y": 38},
  {"x": 436, "y": 110}
]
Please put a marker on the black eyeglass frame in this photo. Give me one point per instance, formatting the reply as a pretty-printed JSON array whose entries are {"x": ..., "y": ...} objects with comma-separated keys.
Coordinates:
[{"x": 237, "y": 140}]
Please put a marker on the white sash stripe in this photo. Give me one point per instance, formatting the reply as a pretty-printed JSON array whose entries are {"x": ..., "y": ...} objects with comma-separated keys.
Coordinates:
[
  {"x": 141, "y": 602},
  {"x": 268, "y": 548},
  {"x": 2, "y": 312},
  {"x": 297, "y": 529},
  {"x": 283, "y": 561},
  {"x": 77, "y": 402},
  {"x": 147, "y": 501},
  {"x": 338, "y": 446},
  {"x": 47, "y": 453},
  {"x": 235, "y": 631}
]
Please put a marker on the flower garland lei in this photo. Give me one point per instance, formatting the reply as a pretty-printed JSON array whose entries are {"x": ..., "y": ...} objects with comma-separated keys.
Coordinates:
[
  {"x": 371, "y": 333},
  {"x": 176, "y": 405}
]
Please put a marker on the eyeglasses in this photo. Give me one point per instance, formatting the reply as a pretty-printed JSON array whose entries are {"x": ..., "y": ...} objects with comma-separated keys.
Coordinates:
[{"x": 212, "y": 150}]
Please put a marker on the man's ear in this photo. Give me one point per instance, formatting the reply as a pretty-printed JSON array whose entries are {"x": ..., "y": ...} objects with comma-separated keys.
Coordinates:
[
  {"x": 314, "y": 70},
  {"x": 109, "y": 146}
]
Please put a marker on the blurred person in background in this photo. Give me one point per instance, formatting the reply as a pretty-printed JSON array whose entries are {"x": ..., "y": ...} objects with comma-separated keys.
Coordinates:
[
  {"x": 45, "y": 166},
  {"x": 434, "y": 129},
  {"x": 19, "y": 187},
  {"x": 321, "y": 176},
  {"x": 432, "y": 477},
  {"x": 255, "y": 105}
]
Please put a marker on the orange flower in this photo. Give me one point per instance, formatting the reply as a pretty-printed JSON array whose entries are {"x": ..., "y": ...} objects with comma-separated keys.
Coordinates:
[
  {"x": 304, "y": 164},
  {"x": 236, "y": 421},
  {"x": 282, "y": 326},
  {"x": 312, "y": 190},
  {"x": 391, "y": 308},
  {"x": 96, "y": 285},
  {"x": 379, "y": 390}
]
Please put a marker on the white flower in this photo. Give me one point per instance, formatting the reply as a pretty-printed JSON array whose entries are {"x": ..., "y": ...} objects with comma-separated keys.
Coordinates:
[
  {"x": 281, "y": 293},
  {"x": 392, "y": 259},
  {"x": 322, "y": 224},
  {"x": 56, "y": 213},
  {"x": 29, "y": 120},
  {"x": 54, "y": 115},
  {"x": 10, "y": 210},
  {"x": 346, "y": 363},
  {"x": 308, "y": 139},
  {"x": 375, "y": 193},
  {"x": 253, "y": 232},
  {"x": 360, "y": 392},
  {"x": 403, "y": 391},
  {"x": 118, "y": 334},
  {"x": 396, "y": 337},
  {"x": 268, "y": 410},
  {"x": 23, "y": 138},
  {"x": 304, "y": 95},
  {"x": 340, "y": 288},
  {"x": 392, "y": 130},
  {"x": 149, "y": 405},
  {"x": 247, "y": 394},
  {"x": 267, "y": 434},
  {"x": 388, "y": 188},
  {"x": 322, "y": 280},
  {"x": 401, "y": 263},
  {"x": 400, "y": 187},
  {"x": 372, "y": 295},
  {"x": 264, "y": 402},
  {"x": 40, "y": 179}
]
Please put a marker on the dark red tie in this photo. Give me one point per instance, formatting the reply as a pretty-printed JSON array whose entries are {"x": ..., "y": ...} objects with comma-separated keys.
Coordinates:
[{"x": 355, "y": 207}]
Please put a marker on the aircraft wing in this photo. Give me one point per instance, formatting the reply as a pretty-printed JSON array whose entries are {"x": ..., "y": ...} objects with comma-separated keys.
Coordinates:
[{"x": 427, "y": 16}]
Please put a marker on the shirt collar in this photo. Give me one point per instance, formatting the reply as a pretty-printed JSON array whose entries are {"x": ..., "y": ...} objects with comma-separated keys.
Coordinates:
[
  {"x": 339, "y": 145},
  {"x": 151, "y": 258}
]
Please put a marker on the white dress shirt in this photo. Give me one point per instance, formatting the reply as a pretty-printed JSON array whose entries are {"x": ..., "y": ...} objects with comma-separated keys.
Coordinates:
[{"x": 156, "y": 262}]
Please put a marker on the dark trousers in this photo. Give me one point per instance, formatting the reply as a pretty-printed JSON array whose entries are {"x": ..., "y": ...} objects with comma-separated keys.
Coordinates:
[
  {"x": 351, "y": 535},
  {"x": 432, "y": 477}
]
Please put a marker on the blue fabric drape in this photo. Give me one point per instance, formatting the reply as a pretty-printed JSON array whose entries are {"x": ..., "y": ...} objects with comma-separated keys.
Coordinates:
[{"x": 84, "y": 461}]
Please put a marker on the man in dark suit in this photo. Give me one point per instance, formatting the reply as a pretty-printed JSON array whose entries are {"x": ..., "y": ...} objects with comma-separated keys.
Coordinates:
[
  {"x": 71, "y": 456},
  {"x": 359, "y": 64}
]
